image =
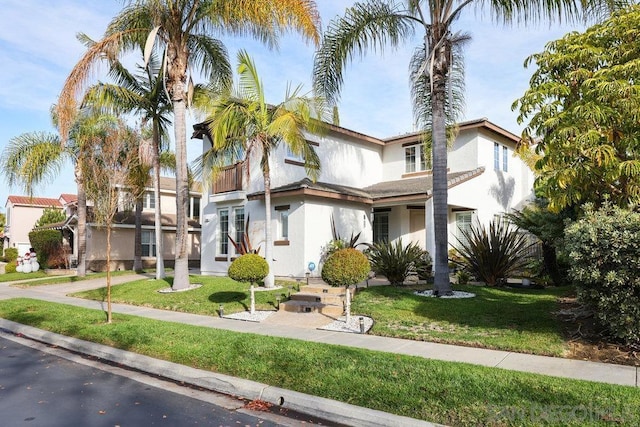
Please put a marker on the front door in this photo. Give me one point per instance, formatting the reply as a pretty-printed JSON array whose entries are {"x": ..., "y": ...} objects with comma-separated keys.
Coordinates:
[{"x": 416, "y": 227}]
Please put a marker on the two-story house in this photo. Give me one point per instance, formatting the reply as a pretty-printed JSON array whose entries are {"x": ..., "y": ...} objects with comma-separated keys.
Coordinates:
[
  {"x": 22, "y": 213},
  {"x": 123, "y": 232},
  {"x": 381, "y": 188}
]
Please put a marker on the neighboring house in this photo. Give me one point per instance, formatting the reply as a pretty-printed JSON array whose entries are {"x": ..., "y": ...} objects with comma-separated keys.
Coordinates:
[
  {"x": 123, "y": 231},
  {"x": 380, "y": 188},
  {"x": 22, "y": 213}
]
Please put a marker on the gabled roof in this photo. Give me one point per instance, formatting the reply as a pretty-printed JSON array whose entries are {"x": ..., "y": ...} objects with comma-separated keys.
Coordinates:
[
  {"x": 67, "y": 199},
  {"x": 382, "y": 192},
  {"x": 44, "y": 202},
  {"x": 416, "y": 187}
]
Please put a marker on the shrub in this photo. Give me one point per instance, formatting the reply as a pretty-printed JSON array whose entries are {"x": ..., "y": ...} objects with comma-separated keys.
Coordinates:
[
  {"x": 250, "y": 268},
  {"x": 10, "y": 267},
  {"x": 11, "y": 255},
  {"x": 395, "y": 261},
  {"x": 605, "y": 260},
  {"x": 345, "y": 267},
  {"x": 492, "y": 254},
  {"x": 424, "y": 266},
  {"x": 45, "y": 243}
]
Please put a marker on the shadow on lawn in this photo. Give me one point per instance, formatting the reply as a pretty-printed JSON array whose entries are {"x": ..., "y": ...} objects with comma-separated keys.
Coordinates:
[{"x": 229, "y": 297}]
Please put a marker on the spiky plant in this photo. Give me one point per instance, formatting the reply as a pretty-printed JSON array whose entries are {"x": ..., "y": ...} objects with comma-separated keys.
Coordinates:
[
  {"x": 492, "y": 254},
  {"x": 395, "y": 261}
]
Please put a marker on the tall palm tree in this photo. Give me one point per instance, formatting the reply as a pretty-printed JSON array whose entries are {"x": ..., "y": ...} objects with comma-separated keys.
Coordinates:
[
  {"x": 375, "y": 24},
  {"x": 184, "y": 29},
  {"x": 142, "y": 94},
  {"x": 241, "y": 121},
  {"x": 35, "y": 158}
]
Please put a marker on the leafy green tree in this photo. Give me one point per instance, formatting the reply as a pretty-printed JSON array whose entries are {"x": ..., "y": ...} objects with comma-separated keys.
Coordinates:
[
  {"x": 583, "y": 114},
  {"x": 435, "y": 70},
  {"x": 241, "y": 121},
  {"x": 185, "y": 29},
  {"x": 50, "y": 215}
]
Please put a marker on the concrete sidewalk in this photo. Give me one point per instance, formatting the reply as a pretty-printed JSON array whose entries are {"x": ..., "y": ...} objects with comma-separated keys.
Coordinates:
[{"x": 565, "y": 368}]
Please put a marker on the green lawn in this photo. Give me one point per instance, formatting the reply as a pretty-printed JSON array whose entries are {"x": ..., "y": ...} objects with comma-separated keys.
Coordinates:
[
  {"x": 443, "y": 392},
  {"x": 11, "y": 277},
  {"x": 507, "y": 319},
  {"x": 214, "y": 291},
  {"x": 500, "y": 318}
]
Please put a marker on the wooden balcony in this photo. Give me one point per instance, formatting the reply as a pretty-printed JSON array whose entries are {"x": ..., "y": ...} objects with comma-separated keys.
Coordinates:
[{"x": 229, "y": 179}]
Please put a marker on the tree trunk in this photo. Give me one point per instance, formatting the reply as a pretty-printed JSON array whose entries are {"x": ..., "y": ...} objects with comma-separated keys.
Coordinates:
[
  {"x": 181, "y": 268},
  {"x": 137, "y": 245},
  {"x": 82, "y": 222},
  {"x": 269, "y": 281},
  {"x": 109, "y": 222},
  {"x": 160, "y": 273},
  {"x": 442, "y": 285}
]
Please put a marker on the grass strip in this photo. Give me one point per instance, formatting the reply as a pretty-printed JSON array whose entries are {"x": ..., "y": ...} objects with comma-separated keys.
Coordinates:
[{"x": 443, "y": 392}]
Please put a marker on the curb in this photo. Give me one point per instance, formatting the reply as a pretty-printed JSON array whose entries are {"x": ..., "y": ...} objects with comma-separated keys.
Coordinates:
[{"x": 328, "y": 409}]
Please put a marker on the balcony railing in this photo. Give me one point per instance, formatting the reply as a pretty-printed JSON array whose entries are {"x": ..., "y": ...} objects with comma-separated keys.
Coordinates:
[{"x": 229, "y": 179}]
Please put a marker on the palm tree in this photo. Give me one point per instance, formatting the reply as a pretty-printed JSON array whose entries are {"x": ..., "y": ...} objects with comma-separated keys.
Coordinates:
[
  {"x": 184, "y": 28},
  {"x": 241, "y": 121},
  {"x": 142, "y": 94},
  {"x": 375, "y": 23},
  {"x": 35, "y": 158}
]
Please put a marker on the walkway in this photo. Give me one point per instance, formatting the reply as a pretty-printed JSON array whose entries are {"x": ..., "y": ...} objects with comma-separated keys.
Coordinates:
[{"x": 299, "y": 328}]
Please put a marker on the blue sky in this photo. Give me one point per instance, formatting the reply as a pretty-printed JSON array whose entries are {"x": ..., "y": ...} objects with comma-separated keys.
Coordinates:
[{"x": 38, "y": 48}]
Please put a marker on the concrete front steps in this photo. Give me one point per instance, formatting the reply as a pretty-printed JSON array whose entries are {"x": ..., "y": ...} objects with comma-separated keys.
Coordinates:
[{"x": 322, "y": 299}]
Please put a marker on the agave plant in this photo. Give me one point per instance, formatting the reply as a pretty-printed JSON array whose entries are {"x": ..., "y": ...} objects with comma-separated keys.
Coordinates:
[
  {"x": 492, "y": 254},
  {"x": 395, "y": 261},
  {"x": 244, "y": 246}
]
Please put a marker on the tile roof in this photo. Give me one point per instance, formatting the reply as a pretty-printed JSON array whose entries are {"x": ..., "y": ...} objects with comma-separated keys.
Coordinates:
[
  {"x": 408, "y": 187},
  {"x": 68, "y": 198},
  {"x": 45, "y": 202}
]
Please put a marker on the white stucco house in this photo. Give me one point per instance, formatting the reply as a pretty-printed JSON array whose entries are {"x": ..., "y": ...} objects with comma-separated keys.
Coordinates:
[{"x": 377, "y": 187}]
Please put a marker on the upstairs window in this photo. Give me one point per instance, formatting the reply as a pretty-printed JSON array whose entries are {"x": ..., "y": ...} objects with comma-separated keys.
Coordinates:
[
  {"x": 414, "y": 160},
  {"x": 505, "y": 159},
  {"x": 497, "y": 165},
  {"x": 194, "y": 208},
  {"x": 148, "y": 201},
  {"x": 496, "y": 156}
]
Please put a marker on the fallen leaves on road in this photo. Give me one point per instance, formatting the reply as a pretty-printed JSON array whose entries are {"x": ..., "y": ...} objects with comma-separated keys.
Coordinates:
[{"x": 259, "y": 405}]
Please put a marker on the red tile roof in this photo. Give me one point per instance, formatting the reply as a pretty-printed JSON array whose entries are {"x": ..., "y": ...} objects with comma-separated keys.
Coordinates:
[
  {"x": 34, "y": 201},
  {"x": 68, "y": 198}
]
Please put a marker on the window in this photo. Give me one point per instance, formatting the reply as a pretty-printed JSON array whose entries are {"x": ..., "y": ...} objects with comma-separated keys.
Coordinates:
[
  {"x": 282, "y": 213},
  {"x": 463, "y": 225},
  {"x": 148, "y": 201},
  {"x": 194, "y": 208},
  {"x": 414, "y": 160},
  {"x": 238, "y": 215},
  {"x": 148, "y": 243},
  {"x": 223, "y": 228},
  {"x": 380, "y": 227},
  {"x": 496, "y": 156},
  {"x": 505, "y": 159},
  {"x": 291, "y": 156}
]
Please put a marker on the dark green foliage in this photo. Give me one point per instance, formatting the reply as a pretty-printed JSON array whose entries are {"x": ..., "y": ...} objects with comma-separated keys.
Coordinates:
[
  {"x": 10, "y": 254},
  {"x": 46, "y": 243},
  {"x": 547, "y": 226},
  {"x": 10, "y": 267},
  {"x": 250, "y": 268},
  {"x": 50, "y": 216},
  {"x": 493, "y": 254},
  {"x": 395, "y": 261},
  {"x": 424, "y": 266},
  {"x": 605, "y": 261},
  {"x": 345, "y": 267},
  {"x": 338, "y": 242}
]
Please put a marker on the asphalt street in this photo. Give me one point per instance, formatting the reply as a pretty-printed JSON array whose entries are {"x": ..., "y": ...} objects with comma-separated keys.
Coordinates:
[{"x": 41, "y": 388}]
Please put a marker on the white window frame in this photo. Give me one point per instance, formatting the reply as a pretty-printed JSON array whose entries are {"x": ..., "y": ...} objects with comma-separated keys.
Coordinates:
[
  {"x": 464, "y": 221},
  {"x": 148, "y": 239},
  {"x": 289, "y": 155},
  {"x": 223, "y": 240},
  {"x": 149, "y": 201},
  {"x": 377, "y": 224},
  {"x": 414, "y": 159},
  {"x": 505, "y": 159},
  {"x": 239, "y": 228},
  {"x": 192, "y": 211}
]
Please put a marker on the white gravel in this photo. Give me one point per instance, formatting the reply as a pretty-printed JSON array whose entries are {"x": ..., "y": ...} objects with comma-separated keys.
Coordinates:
[
  {"x": 456, "y": 294},
  {"x": 257, "y": 316},
  {"x": 341, "y": 325}
]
